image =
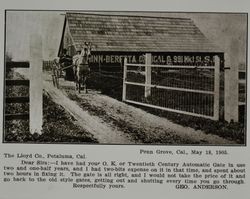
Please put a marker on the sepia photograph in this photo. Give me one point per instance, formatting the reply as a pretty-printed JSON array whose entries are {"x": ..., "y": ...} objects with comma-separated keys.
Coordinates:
[{"x": 125, "y": 77}]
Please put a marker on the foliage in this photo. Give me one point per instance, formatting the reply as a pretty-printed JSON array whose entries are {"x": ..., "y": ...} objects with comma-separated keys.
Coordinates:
[
  {"x": 58, "y": 125},
  {"x": 8, "y": 56},
  {"x": 108, "y": 84}
]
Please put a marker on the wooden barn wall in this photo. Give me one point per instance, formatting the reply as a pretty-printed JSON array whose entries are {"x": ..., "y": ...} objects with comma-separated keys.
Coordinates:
[{"x": 67, "y": 42}]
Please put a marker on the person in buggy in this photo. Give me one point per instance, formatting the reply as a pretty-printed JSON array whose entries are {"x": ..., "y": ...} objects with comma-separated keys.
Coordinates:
[{"x": 66, "y": 60}]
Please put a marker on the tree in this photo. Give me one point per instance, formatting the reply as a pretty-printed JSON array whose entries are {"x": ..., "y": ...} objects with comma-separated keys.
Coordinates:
[{"x": 8, "y": 56}]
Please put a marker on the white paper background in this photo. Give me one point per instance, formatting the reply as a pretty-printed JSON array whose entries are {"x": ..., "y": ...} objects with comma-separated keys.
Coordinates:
[{"x": 116, "y": 152}]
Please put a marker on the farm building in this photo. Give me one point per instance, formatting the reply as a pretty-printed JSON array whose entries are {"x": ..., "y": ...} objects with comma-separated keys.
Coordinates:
[
  {"x": 175, "y": 42},
  {"x": 170, "y": 40}
]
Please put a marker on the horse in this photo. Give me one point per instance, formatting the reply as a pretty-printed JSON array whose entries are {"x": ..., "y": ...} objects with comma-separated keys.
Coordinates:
[{"x": 81, "y": 67}]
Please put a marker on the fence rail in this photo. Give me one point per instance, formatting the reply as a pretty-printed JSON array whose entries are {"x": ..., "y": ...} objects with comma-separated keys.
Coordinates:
[
  {"x": 17, "y": 100},
  {"x": 11, "y": 82},
  {"x": 13, "y": 64},
  {"x": 18, "y": 116},
  {"x": 35, "y": 86}
]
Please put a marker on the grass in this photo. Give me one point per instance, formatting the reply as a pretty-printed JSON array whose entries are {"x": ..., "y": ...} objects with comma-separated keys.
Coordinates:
[
  {"x": 112, "y": 86},
  {"x": 58, "y": 125},
  {"x": 139, "y": 134}
]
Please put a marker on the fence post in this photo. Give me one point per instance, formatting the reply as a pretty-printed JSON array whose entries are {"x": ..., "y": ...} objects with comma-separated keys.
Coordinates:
[
  {"x": 124, "y": 90},
  {"x": 231, "y": 104},
  {"x": 148, "y": 62},
  {"x": 36, "y": 84},
  {"x": 216, "y": 87}
]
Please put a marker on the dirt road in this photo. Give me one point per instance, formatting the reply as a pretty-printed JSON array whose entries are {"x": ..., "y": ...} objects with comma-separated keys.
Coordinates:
[
  {"x": 114, "y": 122},
  {"x": 93, "y": 124}
]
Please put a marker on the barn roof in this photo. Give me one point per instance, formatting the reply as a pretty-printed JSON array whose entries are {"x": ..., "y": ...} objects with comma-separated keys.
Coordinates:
[{"x": 137, "y": 33}]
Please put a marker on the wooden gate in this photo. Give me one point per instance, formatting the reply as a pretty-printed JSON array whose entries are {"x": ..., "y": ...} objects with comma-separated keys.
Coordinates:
[
  {"x": 34, "y": 83},
  {"x": 22, "y": 99},
  {"x": 191, "y": 90}
]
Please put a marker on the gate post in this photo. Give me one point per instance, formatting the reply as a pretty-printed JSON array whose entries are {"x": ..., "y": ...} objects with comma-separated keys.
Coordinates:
[
  {"x": 216, "y": 87},
  {"x": 36, "y": 84},
  {"x": 124, "y": 80},
  {"x": 148, "y": 62},
  {"x": 231, "y": 104}
]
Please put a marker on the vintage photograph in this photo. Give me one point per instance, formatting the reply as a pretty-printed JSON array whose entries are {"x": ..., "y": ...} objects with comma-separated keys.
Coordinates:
[{"x": 106, "y": 77}]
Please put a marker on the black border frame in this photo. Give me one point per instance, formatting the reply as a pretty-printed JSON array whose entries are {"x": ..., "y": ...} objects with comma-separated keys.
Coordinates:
[{"x": 130, "y": 11}]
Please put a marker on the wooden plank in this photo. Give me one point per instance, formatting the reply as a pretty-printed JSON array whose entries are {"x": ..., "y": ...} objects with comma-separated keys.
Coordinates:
[
  {"x": 171, "y": 88},
  {"x": 174, "y": 66},
  {"x": 36, "y": 84},
  {"x": 17, "y": 99},
  {"x": 242, "y": 103},
  {"x": 13, "y": 64},
  {"x": 231, "y": 85},
  {"x": 10, "y": 82},
  {"x": 169, "y": 109},
  {"x": 216, "y": 88},
  {"x": 148, "y": 62},
  {"x": 20, "y": 116},
  {"x": 124, "y": 90},
  {"x": 242, "y": 81}
]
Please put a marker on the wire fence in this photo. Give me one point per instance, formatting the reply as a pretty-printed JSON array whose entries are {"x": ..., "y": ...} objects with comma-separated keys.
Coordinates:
[
  {"x": 192, "y": 90},
  {"x": 47, "y": 65}
]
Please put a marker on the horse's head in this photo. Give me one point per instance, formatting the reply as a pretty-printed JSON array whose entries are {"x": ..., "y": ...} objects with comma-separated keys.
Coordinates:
[{"x": 86, "y": 50}]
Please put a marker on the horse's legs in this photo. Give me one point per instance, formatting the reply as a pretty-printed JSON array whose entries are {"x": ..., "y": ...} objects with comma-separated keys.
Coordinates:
[
  {"x": 81, "y": 82},
  {"x": 56, "y": 82},
  {"x": 57, "y": 78},
  {"x": 79, "y": 86},
  {"x": 76, "y": 83},
  {"x": 85, "y": 84},
  {"x": 77, "y": 80}
]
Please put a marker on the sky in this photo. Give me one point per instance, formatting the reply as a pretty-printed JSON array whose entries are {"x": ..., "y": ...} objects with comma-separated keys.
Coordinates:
[
  {"x": 20, "y": 25},
  {"x": 227, "y": 31}
]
